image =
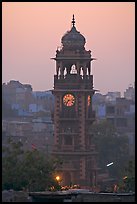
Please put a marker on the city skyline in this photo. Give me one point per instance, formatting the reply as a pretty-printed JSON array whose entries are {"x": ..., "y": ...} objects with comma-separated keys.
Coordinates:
[{"x": 31, "y": 35}]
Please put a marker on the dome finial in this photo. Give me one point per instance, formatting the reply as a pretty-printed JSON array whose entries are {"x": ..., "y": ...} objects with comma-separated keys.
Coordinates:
[{"x": 73, "y": 21}]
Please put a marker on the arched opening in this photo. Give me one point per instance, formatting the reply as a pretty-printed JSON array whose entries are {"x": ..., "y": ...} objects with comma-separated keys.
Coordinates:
[
  {"x": 73, "y": 69},
  {"x": 81, "y": 71},
  {"x": 65, "y": 71}
]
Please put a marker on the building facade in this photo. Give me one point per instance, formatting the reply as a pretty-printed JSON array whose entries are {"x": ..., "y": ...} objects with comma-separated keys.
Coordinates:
[
  {"x": 120, "y": 111},
  {"x": 73, "y": 114},
  {"x": 32, "y": 133},
  {"x": 129, "y": 93}
]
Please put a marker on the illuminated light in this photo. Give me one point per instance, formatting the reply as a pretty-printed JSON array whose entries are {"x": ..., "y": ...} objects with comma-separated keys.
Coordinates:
[
  {"x": 57, "y": 178},
  {"x": 110, "y": 164},
  {"x": 125, "y": 177},
  {"x": 89, "y": 100}
]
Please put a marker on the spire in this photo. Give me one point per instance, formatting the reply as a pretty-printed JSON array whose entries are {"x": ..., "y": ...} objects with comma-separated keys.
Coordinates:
[{"x": 73, "y": 21}]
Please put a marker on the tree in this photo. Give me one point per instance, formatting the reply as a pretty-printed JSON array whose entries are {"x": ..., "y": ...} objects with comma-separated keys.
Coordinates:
[
  {"x": 10, "y": 165},
  {"x": 30, "y": 170},
  {"x": 129, "y": 177},
  {"x": 37, "y": 171},
  {"x": 111, "y": 147}
]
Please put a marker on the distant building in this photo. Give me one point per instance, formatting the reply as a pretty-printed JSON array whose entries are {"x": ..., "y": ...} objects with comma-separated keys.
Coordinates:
[
  {"x": 120, "y": 111},
  {"x": 24, "y": 100},
  {"x": 17, "y": 95},
  {"x": 32, "y": 124},
  {"x": 44, "y": 100},
  {"x": 111, "y": 96},
  {"x": 122, "y": 116},
  {"x": 34, "y": 132},
  {"x": 98, "y": 98},
  {"x": 130, "y": 93},
  {"x": 101, "y": 111}
]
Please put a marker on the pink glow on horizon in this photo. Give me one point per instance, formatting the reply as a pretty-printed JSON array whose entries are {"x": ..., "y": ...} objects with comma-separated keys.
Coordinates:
[{"x": 31, "y": 33}]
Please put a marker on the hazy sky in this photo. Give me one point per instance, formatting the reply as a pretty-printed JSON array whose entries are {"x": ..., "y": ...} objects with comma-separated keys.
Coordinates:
[{"x": 32, "y": 31}]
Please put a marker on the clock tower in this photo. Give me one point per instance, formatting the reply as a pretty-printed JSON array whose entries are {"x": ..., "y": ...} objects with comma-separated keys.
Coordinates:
[{"x": 73, "y": 114}]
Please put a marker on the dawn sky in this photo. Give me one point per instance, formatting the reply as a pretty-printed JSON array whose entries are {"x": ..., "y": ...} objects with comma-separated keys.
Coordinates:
[{"x": 32, "y": 31}]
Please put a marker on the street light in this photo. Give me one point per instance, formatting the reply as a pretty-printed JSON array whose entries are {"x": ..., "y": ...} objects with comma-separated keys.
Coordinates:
[{"x": 57, "y": 178}]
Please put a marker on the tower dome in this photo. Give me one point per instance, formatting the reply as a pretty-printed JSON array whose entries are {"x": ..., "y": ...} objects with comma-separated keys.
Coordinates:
[{"x": 73, "y": 39}]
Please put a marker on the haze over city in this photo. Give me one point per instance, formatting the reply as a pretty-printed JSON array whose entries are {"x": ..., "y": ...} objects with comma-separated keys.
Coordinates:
[{"x": 32, "y": 31}]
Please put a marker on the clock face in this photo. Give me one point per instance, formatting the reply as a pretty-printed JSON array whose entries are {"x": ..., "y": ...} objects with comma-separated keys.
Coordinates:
[
  {"x": 89, "y": 100},
  {"x": 68, "y": 100}
]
